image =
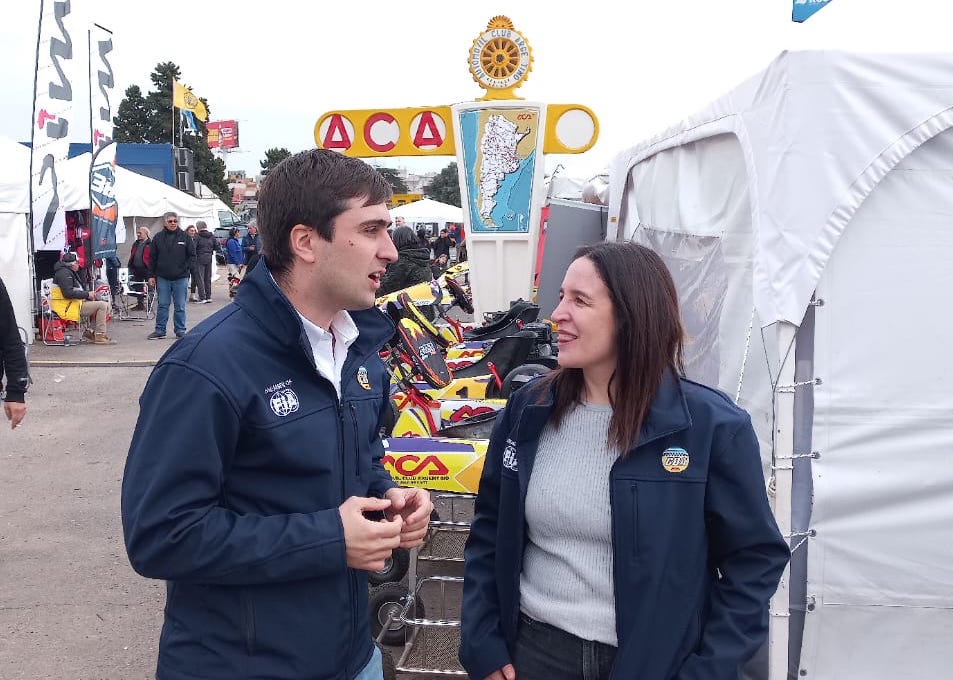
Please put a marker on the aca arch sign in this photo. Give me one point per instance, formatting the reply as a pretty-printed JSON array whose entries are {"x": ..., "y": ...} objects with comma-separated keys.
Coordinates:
[{"x": 387, "y": 132}]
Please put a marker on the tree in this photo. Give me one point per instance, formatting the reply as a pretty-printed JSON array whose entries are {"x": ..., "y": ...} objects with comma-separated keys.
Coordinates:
[
  {"x": 149, "y": 119},
  {"x": 135, "y": 116},
  {"x": 273, "y": 157},
  {"x": 397, "y": 184},
  {"x": 445, "y": 186}
]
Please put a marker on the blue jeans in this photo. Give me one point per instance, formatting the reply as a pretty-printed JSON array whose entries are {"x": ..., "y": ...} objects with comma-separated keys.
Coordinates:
[
  {"x": 374, "y": 669},
  {"x": 174, "y": 291},
  {"x": 544, "y": 652}
]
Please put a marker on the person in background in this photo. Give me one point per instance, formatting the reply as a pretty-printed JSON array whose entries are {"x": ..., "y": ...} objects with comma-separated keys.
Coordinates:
[
  {"x": 173, "y": 253},
  {"x": 13, "y": 364},
  {"x": 442, "y": 245},
  {"x": 139, "y": 266},
  {"x": 234, "y": 259},
  {"x": 659, "y": 561},
  {"x": 422, "y": 238},
  {"x": 412, "y": 265},
  {"x": 251, "y": 247},
  {"x": 204, "y": 256},
  {"x": 73, "y": 301},
  {"x": 440, "y": 265},
  {"x": 192, "y": 233},
  {"x": 254, "y": 483}
]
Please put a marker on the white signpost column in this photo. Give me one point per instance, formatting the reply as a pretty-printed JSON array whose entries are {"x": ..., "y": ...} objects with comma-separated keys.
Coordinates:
[{"x": 500, "y": 163}]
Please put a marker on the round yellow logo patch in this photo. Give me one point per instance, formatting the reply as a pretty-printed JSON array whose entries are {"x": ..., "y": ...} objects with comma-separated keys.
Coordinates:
[{"x": 675, "y": 459}]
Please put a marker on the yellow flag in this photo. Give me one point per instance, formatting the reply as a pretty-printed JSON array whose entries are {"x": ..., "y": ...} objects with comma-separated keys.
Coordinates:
[{"x": 182, "y": 98}]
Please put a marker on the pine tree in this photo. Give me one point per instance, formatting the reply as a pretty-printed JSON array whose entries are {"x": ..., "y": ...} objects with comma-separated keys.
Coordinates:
[
  {"x": 445, "y": 186},
  {"x": 149, "y": 119}
]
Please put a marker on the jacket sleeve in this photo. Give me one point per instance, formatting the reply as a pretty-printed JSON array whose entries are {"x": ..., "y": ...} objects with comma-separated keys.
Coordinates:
[
  {"x": 482, "y": 644},
  {"x": 64, "y": 279},
  {"x": 12, "y": 357},
  {"x": 153, "y": 256},
  {"x": 176, "y": 521},
  {"x": 749, "y": 552}
]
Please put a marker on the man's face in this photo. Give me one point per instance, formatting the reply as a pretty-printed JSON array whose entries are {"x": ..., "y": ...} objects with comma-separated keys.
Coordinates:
[
  {"x": 143, "y": 234},
  {"x": 443, "y": 233},
  {"x": 253, "y": 230},
  {"x": 171, "y": 222},
  {"x": 348, "y": 269},
  {"x": 191, "y": 231}
]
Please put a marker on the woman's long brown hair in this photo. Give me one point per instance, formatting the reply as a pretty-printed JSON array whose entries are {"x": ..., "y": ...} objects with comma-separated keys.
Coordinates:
[{"x": 649, "y": 338}]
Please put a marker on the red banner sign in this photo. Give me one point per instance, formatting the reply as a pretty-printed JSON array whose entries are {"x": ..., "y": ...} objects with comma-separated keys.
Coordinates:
[{"x": 223, "y": 134}]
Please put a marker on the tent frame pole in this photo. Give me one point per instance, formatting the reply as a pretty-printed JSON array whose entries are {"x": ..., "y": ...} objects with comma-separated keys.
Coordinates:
[{"x": 783, "y": 469}]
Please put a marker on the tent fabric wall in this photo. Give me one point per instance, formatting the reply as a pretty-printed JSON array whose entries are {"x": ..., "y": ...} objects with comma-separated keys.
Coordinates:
[
  {"x": 427, "y": 210},
  {"x": 881, "y": 567},
  {"x": 845, "y": 162}
]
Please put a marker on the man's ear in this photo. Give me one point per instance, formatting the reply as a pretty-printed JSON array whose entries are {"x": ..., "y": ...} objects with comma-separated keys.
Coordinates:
[{"x": 300, "y": 241}]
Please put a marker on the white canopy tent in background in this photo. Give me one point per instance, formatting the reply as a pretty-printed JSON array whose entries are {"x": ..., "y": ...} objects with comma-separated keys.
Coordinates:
[
  {"x": 827, "y": 178},
  {"x": 142, "y": 200},
  {"x": 428, "y": 211}
]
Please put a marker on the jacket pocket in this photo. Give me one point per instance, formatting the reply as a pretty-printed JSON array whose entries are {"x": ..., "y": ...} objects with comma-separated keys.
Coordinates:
[{"x": 248, "y": 620}]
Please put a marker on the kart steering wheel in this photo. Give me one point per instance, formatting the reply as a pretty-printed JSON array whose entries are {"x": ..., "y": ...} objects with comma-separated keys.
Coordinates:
[{"x": 459, "y": 295}]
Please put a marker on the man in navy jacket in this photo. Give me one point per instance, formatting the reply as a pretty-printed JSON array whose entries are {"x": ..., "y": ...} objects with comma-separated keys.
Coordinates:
[{"x": 254, "y": 484}]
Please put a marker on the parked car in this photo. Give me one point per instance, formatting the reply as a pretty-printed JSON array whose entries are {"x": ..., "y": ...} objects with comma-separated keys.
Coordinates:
[{"x": 221, "y": 236}]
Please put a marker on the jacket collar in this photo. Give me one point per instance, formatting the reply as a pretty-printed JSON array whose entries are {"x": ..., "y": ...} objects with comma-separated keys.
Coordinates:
[
  {"x": 668, "y": 413},
  {"x": 261, "y": 298}
]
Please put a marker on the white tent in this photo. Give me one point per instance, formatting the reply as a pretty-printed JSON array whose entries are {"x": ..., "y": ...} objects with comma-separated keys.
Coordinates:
[
  {"x": 428, "y": 211},
  {"x": 807, "y": 218},
  {"x": 142, "y": 200}
]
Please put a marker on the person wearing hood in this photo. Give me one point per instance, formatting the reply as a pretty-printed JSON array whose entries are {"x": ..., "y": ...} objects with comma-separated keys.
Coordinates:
[
  {"x": 412, "y": 265},
  {"x": 72, "y": 301},
  {"x": 204, "y": 252}
]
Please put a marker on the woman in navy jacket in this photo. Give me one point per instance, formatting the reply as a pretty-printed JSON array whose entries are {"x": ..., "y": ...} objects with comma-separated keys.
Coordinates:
[{"x": 622, "y": 528}]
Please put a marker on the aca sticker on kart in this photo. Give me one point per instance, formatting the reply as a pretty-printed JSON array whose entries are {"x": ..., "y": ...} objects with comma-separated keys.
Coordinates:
[{"x": 434, "y": 463}]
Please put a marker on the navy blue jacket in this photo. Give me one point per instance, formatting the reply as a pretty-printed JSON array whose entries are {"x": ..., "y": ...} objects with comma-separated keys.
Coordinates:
[
  {"x": 697, "y": 553},
  {"x": 239, "y": 461}
]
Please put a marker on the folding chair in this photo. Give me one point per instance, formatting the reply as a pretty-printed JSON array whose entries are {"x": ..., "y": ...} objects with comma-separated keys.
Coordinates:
[
  {"x": 53, "y": 329},
  {"x": 130, "y": 294}
]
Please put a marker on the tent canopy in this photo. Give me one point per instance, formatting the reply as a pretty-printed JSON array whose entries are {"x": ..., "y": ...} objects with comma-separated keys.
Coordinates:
[
  {"x": 817, "y": 131},
  {"x": 428, "y": 210}
]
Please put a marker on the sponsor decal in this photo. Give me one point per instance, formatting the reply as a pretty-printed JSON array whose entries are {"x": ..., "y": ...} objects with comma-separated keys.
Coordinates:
[
  {"x": 510, "y": 461},
  {"x": 362, "y": 378},
  {"x": 675, "y": 459},
  {"x": 284, "y": 402}
]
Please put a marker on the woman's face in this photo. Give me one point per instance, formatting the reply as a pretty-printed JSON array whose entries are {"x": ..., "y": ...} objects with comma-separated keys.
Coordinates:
[{"x": 586, "y": 320}]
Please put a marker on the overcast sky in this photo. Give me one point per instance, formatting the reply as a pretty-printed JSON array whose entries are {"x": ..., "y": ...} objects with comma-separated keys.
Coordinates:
[{"x": 276, "y": 66}]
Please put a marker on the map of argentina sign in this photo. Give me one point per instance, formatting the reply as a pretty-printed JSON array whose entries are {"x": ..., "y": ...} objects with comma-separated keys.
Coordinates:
[
  {"x": 805, "y": 9},
  {"x": 499, "y": 153}
]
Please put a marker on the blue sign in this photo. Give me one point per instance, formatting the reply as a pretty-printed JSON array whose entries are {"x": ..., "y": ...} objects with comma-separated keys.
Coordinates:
[{"x": 805, "y": 9}]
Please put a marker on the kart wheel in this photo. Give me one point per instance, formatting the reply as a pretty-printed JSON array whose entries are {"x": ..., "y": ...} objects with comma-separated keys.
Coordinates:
[
  {"x": 388, "y": 601},
  {"x": 394, "y": 569},
  {"x": 521, "y": 375}
]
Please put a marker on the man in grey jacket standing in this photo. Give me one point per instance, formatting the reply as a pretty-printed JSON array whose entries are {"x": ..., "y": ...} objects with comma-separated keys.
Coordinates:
[
  {"x": 173, "y": 253},
  {"x": 204, "y": 253}
]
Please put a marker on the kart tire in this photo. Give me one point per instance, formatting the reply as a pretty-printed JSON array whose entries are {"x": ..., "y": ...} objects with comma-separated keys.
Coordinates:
[
  {"x": 394, "y": 568},
  {"x": 389, "y": 420},
  {"x": 385, "y": 600},
  {"x": 521, "y": 375}
]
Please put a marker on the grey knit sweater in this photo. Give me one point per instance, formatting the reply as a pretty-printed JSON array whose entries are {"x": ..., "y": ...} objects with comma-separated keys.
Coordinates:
[{"x": 567, "y": 566}]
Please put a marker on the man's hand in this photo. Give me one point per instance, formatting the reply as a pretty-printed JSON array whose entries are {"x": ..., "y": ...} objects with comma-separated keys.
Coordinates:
[
  {"x": 15, "y": 411},
  {"x": 505, "y": 673},
  {"x": 368, "y": 543},
  {"x": 90, "y": 296},
  {"x": 414, "y": 506}
]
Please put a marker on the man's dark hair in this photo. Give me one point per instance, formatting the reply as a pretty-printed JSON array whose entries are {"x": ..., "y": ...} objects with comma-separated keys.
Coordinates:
[{"x": 311, "y": 188}]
